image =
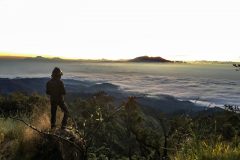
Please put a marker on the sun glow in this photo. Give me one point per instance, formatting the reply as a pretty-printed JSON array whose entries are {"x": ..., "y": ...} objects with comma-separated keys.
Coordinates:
[{"x": 186, "y": 30}]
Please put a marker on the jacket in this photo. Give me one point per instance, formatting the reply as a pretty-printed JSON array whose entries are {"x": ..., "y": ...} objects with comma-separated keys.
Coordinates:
[{"x": 55, "y": 88}]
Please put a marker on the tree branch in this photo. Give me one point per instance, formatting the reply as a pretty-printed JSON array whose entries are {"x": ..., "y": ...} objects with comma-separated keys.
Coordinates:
[{"x": 80, "y": 148}]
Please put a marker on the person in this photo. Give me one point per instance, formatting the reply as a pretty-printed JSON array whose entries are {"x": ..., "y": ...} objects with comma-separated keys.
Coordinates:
[{"x": 56, "y": 90}]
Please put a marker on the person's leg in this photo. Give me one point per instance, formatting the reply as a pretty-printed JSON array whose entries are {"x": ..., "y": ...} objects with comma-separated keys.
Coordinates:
[
  {"x": 66, "y": 114},
  {"x": 53, "y": 114}
]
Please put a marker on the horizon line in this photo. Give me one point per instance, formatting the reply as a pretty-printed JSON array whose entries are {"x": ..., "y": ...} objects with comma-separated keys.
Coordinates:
[{"x": 4, "y": 55}]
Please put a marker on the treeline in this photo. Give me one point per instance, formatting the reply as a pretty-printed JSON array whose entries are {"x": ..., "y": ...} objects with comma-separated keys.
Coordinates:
[{"x": 98, "y": 129}]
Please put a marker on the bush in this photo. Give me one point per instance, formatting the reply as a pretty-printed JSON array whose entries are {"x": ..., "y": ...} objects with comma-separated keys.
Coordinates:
[
  {"x": 19, "y": 103},
  {"x": 117, "y": 132}
]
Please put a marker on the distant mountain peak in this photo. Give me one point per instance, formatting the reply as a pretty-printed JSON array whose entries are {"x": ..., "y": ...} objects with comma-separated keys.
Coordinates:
[
  {"x": 149, "y": 59},
  {"x": 41, "y": 58}
]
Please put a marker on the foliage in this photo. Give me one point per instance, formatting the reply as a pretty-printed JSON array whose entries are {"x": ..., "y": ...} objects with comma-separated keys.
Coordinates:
[
  {"x": 195, "y": 150},
  {"x": 125, "y": 131},
  {"x": 20, "y": 103}
]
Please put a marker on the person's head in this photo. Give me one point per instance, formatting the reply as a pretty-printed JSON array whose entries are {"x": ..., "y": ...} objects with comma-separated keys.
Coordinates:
[{"x": 57, "y": 73}]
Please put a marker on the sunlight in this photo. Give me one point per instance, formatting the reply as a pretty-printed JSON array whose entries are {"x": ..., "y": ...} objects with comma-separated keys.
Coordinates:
[{"x": 174, "y": 30}]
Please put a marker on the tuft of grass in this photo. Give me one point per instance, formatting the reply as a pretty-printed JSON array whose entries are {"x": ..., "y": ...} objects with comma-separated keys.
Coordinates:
[
  {"x": 11, "y": 136},
  {"x": 197, "y": 150},
  {"x": 18, "y": 141},
  {"x": 11, "y": 129}
]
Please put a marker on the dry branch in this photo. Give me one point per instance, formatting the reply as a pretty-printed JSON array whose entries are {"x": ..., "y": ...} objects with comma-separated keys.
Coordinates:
[{"x": 48, "y": 134}]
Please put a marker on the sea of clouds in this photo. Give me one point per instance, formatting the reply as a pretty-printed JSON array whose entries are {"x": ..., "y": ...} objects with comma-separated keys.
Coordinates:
[{"x": 209, "y": 85}]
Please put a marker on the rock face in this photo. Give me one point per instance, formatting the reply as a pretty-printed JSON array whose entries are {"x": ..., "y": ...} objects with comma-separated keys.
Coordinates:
[{"x": 149, "y": 59}]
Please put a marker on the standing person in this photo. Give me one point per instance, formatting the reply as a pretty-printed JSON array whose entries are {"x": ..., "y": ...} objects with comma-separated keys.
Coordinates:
[{"x": 56, "y": 90}]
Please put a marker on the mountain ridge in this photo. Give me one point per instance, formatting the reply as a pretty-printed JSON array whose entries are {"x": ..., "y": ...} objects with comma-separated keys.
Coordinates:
[
  {"x": 150, "y": 59},
  {"x": 165, "y": 103}
]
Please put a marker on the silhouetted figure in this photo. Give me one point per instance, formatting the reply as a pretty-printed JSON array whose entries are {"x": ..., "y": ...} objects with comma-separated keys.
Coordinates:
[{"x": 55, "y": 88}]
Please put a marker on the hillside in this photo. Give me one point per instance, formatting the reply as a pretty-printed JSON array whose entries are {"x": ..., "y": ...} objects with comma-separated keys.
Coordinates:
[
  {"x": 149, "y": 59},
  {"x": 164, "y": 103},
  {"x": 101, "y": 130}
]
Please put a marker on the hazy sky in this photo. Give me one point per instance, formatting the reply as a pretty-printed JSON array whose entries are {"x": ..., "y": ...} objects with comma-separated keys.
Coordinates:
[{"x": 120, "y": 29}]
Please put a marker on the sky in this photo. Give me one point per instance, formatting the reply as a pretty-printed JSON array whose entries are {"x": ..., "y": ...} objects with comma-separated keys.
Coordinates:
[{"x": 121, "y": 29}]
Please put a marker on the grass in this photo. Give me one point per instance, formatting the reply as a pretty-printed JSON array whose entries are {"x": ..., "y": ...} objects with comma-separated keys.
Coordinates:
[
  {"x": 11, "y": 137},
  {"x": 196, "y": 150},
  {"x": 20, "y": 142},
  {"x": 10, "y": 129}
]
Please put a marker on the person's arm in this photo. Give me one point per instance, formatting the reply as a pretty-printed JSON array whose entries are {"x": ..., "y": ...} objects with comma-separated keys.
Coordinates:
[
  {"x": 47, "y": 89},
  {"x": 63, "y": 91}
]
